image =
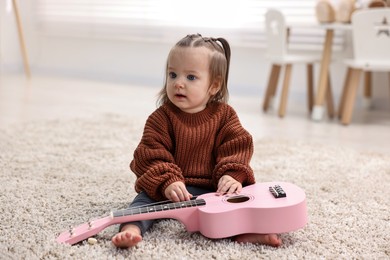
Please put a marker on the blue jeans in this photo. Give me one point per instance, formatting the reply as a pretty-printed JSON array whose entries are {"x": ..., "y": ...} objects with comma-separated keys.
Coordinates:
[{"x": 142, "y": 199}]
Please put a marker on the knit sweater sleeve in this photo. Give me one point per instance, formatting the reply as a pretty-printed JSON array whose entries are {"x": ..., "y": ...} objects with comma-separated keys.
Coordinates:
[
  {"x": 153, "y": 162},
  {"x": 234, "y": 150}
]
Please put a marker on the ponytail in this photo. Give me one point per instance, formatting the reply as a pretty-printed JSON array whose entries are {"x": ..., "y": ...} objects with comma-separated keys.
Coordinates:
[{"x": 226, "y": 48}]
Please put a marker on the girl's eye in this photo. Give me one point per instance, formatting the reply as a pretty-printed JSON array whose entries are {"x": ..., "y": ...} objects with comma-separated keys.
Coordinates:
[
  {"x": 191, "y": 77},
  {"x": 172, "y": 75}
]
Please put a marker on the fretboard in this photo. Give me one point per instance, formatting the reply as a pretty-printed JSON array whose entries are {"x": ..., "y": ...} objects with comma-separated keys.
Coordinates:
[{"x": 159, "y": 207}]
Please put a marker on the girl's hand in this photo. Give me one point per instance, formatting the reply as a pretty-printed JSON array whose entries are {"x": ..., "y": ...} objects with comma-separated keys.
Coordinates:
[
  {"x": 177, "y": 192},
  {"x": 228, "y": 185}
]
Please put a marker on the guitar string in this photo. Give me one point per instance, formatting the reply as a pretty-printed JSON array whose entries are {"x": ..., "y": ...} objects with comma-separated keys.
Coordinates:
[
  {"x": 148, "y": 205},
  {"x": 155, "y": 204},
  {"x": 169, "y": 202}
]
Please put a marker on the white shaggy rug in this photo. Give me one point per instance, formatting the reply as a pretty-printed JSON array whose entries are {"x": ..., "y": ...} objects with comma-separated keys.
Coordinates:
[{"x": 56, "y": 174}]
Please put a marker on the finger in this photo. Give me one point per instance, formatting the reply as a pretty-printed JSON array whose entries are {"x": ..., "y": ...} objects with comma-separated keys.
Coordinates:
[
  {"x": 220, "y": 185},
  {"x": 183, "y": 193},
  {"x": 239, "y": 188},
  {"x": 223, "y": 188},
  {"x": 220, "y": 190},
  {"x": 180, "y": 194},
  {"x": 232, "y": 189},
  {"x": 186, "y": 195},
  {"x": 222, "y": 182},
  {"x": 226, "y": 183},
  {"x": 174, "y": 197}
]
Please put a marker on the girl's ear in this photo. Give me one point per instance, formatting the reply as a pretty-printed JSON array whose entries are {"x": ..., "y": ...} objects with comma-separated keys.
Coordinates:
[{"x": 215, "y": 86}]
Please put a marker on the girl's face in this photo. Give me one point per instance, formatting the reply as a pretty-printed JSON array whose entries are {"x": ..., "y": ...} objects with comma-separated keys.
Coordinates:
[{"x": 188, "y": 78}]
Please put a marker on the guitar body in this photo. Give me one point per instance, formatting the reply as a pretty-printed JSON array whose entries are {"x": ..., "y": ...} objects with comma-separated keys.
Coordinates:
[
  {"x": 260, "y": 208},
  {"x": 255, "y": 210}
]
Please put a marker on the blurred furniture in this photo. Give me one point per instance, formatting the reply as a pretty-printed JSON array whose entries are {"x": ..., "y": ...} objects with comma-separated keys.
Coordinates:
[
  {"x": 21, "y": 39},
  {"x": 323, "y": 89},
  {"x": 330, "y": 11},
  {"x": 277, "y": 44},
  {"x": 378, "y": 3},
  {"x": 371, "y": 45}
]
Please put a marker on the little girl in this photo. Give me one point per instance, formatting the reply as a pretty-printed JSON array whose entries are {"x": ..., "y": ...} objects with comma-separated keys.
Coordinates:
[{"x": 194, "y": 142}]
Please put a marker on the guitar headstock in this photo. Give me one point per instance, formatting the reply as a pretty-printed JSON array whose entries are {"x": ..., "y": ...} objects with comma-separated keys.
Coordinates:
[{"x": 77, "y": 234}]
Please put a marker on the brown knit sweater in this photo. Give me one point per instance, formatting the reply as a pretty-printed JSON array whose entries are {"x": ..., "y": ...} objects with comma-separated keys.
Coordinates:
[{"x": 197, "y": 149}]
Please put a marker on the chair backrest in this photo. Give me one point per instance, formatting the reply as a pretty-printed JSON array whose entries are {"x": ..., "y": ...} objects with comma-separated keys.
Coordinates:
[
  {"x": 276, "y": 32},
  {"x": 371, "y": 34}
]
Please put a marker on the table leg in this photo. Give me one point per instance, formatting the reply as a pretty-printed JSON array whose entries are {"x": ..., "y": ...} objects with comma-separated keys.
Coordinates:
[
  {"x": 329, "y": 99},
  {"x": 318, "y": 109}
]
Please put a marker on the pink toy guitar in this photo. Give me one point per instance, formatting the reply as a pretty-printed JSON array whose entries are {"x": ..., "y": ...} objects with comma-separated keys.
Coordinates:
[{"x": 270, "y": 207}]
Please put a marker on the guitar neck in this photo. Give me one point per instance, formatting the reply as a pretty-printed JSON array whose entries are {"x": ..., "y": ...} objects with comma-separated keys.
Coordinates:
[
  {"x": 152, "y": 211},
  {"x": 167, "y": 207}
]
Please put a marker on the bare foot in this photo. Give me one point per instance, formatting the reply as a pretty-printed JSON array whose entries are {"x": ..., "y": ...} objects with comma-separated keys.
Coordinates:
[
  {"x": 129, "y": 236},
  {"x": 264, "y": 239}
]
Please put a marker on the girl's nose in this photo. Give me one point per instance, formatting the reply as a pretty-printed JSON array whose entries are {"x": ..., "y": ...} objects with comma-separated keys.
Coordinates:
[{"x": 179, "y": 84}]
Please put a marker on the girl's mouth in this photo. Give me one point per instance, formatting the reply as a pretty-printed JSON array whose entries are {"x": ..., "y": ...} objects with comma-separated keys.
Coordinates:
[{"x": 180, "y": 95}]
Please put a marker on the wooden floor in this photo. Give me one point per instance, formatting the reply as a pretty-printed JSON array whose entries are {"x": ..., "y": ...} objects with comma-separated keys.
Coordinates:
[{"x": 42, "y": 98}]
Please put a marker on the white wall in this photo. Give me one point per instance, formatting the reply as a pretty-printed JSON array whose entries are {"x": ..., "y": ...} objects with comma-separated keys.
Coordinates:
[{"x": 135, "y": 62}]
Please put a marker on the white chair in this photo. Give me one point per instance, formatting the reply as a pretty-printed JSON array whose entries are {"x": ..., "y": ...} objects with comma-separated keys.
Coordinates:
[
  {"x": 371, "y": 46},
  {"x": 277, "y": 45}
]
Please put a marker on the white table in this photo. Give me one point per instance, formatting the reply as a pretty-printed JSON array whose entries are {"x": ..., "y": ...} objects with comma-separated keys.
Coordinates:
[
  {"x": 322, "y": 87},
  {"x": 318, "y": 108}
]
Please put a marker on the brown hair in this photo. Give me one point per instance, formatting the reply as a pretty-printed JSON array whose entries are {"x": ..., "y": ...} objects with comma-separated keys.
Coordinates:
[{"x": 219, "y": 64}]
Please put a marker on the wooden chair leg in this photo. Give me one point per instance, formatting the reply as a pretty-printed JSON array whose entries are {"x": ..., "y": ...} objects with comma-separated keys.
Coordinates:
[
  {"x": 388, "y": 80},
  {"x": 367, "y": 89},
  {"x": 367, "y": 84},
  {"x": 275, "y": 85},
  {"x": 272, "y": 85},
  {"x": 352, "y": 86},
  {"x": 329, "y": 98},
  {"x": 283, "y": 99},
  {"x": 343, "y": 94},
  {"x": 310, "y": 88},
  {"x": 21, "y": 39}
]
